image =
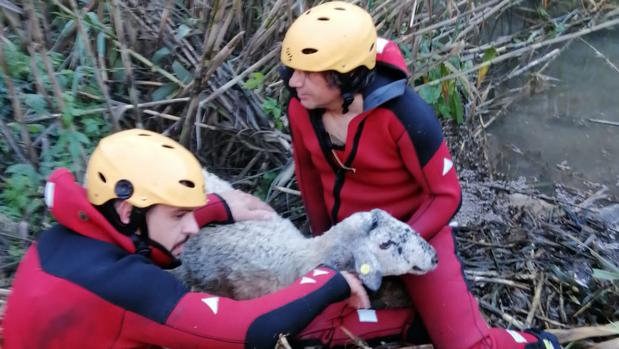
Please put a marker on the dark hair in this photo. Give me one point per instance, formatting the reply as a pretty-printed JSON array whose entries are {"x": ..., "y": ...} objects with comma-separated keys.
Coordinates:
[
  {"x": 349, "y": 83},
  {"x": 137, "y": 220}
]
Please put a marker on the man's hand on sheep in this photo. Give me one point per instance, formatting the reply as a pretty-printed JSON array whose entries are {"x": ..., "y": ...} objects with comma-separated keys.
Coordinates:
[
  {"x": 245, "y": 207},
  {"x": 359, "y": 298}
]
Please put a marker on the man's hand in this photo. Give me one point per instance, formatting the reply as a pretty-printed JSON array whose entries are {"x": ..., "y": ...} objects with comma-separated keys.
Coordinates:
[
  {"x": 246, "y": 207},
  {"x": 358, "y": 297}
]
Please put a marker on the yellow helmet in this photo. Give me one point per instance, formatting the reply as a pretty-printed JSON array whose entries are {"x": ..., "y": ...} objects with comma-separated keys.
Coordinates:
[
  {"x": 332, "y": 36},
  {"x": 145, "y": 168}
]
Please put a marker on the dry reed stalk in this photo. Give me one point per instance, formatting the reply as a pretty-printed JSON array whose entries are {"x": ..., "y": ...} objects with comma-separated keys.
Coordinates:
[
  {"x": 97, "y": 72},
  {"x": 126, "y": 59},
  {"x": 203, "y": 72},
  {"x": 17, "y": 110},
  {"x": 11, "y": 13},
  {"x": 535, "y": 46},
  {"x": 36, "y": 74},
  {"x": 39, "y": 47},
  {"x": 165, "y": 15},
  {"x": 6, "y": 132},
  {"x": 536, "y": 300},
  {"x": 239, "y": 77}
]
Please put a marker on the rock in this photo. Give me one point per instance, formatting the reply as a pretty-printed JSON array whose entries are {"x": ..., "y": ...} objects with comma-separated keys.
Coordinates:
[
  {"x": 610, "y": 215},
  {"x": 537, "y": 207}
]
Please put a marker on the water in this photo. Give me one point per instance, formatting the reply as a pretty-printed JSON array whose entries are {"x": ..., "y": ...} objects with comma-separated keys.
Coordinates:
[{"x": 549, "y": 137}]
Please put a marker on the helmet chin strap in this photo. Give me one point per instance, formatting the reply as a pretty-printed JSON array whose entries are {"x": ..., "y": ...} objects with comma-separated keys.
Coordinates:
[
  {"x": 137, "y": 230},
  {"x": 142, "y": 240},
  {"x": 347, "y": 98}
]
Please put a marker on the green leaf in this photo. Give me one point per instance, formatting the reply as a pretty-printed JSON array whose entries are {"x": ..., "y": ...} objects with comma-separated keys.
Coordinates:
[
  {"x": 17, "y": 62},
  {"x": 443, "y": 109},
  {"x": 160, "y": 55},
  {"x": 16, "y": 252},
  {"x": 181, "y": 73},
  {"x": 430, "y": 94},
  {"x": 23, "y": 170},
  {"x": 77, "y": 77},
  {"x": 93, "y": 20},
  {"x": 118, "y": 70},
  {"x": 35, "y": 128},
  {"x": 182, "y": 32},
  {"x": 64, "y": 77},
  {"x": 20, "y": 189},
  {"x": 434, "y": 74},
  {"x": 36, "y": 102},
  {"x": 457, "y": 107},
  {"x": 605, "y": 275},
  {"x": 424, "y": 47},
  {"x": 33, "y": 205},
  {"x": 164, "y": 92},
  {"x": 406, "y": 51},
  {"x": 67, "y": 29},
  {"x": 489, "y": 55},
  {"x": 92, "y": 126},
  {"x": 256, "y": 79},
  {"x": 273, "y": 109},
  {"x": 101, "y": 44},
  {"x": 80, "y": 137}
]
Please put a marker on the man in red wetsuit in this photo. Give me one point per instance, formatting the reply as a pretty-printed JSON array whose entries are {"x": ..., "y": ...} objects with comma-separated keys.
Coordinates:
[
  {"x": 95, "y": 280},
  {"x": 363, "y": 139}
]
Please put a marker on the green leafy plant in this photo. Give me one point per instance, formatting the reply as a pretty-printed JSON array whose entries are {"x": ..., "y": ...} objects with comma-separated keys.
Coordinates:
[
  {"x": 67, "y": 141},
  {"x": 255, "y": 81},
  {"x": 21, "y": 190},
  {"x": 273, "y": 109},
  {"x": 445, "y": 97},
  {"x": 262, "y": 189}
]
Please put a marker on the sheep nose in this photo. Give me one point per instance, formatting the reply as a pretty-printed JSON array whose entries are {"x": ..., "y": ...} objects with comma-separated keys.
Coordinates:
[{"x": 435, "y": 260}]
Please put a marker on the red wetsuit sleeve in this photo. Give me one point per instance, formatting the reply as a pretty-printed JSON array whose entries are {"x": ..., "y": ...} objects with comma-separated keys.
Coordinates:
[
  {"x": 442, "y": 188},
  {"x": 308, "y": 178},
  {"x": 201, "y": 320},
  {"x": 215, "y": 211}
]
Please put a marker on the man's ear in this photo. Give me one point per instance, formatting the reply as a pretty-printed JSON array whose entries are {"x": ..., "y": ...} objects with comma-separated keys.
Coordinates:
[{"x": 124, "y": 208}]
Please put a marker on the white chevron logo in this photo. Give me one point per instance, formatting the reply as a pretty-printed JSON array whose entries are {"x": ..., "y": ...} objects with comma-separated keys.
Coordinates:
[
  {"x": 213, "y": 303},
  {"x": 306, "y": 280},
  {"x": 318, "y": 272},
  {"x": 380, "y": 44},
  {"x": 49, "y": 194},
  {"x": 517, "y": 336},
  {"x": 447, "y": 165}
]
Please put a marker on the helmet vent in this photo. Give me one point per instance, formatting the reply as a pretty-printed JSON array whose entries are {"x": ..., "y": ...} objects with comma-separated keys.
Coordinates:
[
  {"x": 102, "y": 177},
  {"x": 340, "y": 8},
  {"x": 323, "y": 18},
  {"x": 167, "y": 146},
  {"x": 288, "y": 54},
  {"x": 144, "y": 134},
  {"x": 187, "y": 183},
  {"x": 371, "y": 47},
  {"x": 309, "y": 51}
]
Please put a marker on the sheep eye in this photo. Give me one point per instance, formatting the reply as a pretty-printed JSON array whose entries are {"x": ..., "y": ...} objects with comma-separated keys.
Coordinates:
[{"x": 386, "y": 245}]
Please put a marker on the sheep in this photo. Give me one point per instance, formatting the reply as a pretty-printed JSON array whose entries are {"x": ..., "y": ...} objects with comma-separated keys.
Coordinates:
[{"x": 249, "y": 259}]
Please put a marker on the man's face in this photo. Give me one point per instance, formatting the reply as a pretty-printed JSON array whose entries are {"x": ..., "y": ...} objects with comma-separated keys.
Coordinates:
[
  {"x": 315, "y": 91},
  {"x": 171, "y": 226}
]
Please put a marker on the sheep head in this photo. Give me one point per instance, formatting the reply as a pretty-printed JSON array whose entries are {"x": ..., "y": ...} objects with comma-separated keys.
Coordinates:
[{"x": 391, "y": 247}]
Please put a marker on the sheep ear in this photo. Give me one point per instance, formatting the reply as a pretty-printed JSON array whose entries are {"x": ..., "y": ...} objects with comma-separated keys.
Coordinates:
[
  {"x": 368, "y": 269},
  {"x": 375, "y": 217}
]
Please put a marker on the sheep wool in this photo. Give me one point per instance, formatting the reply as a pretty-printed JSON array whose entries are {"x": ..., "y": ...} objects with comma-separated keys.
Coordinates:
[{"x": 249, "y": 259}]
